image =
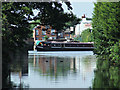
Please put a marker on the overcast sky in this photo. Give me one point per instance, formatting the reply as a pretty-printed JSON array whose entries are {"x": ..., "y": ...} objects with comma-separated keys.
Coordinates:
[{"x": 80, "y": 8}]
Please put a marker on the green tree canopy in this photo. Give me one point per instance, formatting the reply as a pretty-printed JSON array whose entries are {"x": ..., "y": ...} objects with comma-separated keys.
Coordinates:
[
  {"x": 16, "y": 17},
  {"x": 15, "y": 26},
  {"x": 52, "y": 13},
  {"x": 106, "y": 30}
]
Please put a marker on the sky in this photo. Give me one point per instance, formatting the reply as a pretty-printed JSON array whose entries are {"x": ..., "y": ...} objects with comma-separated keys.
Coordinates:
[{"x": 81, "y": 8}]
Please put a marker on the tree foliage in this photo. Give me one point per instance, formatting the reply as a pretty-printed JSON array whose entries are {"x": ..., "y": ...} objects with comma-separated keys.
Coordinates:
[
  {"x": 52, "y": 13},
  {"x": 106, "y": 30},
  {"x": 16, "y": 17},
  {"x": 106, "y": 76},
  {"x": 16, "y": 27},
  {"x": 72, "y": 21},
  {"x": 87, "y": 35}
]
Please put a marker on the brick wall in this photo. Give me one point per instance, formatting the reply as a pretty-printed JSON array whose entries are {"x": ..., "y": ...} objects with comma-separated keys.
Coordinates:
[{"x": 42, "y": 31}]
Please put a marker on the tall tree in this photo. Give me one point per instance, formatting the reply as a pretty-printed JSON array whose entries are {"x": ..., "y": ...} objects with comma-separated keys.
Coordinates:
[
  {"x": 106, "y": 30},
  {"x": 15, "y": 17},
  {"x": 16, "y": 27}
]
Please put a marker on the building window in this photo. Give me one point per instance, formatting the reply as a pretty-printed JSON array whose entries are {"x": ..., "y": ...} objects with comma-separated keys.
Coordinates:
[
  {"x": 53, "y": 38},
  {"x": 48, "y": 32},
  {"x": 43, "y": 32},
  {"x": 67, "y": 37},
  {"x": 37, "y": 32},
  {"x": 37, "y": 38},
  {"x": 47, "y": 27},
  {"x": 52, "y": 31},
  {"x": 43, "y": 38}
]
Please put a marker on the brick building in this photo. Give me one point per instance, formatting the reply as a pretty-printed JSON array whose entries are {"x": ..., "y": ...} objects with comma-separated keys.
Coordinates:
[{"x": 39, "y": 32}]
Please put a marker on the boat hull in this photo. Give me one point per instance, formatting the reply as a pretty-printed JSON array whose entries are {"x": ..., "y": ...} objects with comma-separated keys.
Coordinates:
[{"x": 64, "y": 48}]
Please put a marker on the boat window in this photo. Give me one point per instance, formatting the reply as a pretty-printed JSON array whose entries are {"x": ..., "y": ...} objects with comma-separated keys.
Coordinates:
[
  {"x": 57, "y": 45},
  {"x": 53, "y": 37},
  {"x": 68, "y": 45},
  {"x": 74, "y": 45},
  {"x": 47, "y": 27},
  {"x": 52, "y": 44}
]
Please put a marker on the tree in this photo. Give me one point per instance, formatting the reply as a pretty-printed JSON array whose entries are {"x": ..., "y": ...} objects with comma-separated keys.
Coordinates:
[
  {"x": 52, "y": 13},
  {"x": 72, "y": 21},
  {"x": 16, "y": 27},
  {"x": 87, "y": 35},
  {"x": 106, "y": 30},
  {"x": 16, "y": 15}
]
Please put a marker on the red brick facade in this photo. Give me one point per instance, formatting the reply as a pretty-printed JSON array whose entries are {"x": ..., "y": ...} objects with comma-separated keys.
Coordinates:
[{"x": 41, "y": 31}]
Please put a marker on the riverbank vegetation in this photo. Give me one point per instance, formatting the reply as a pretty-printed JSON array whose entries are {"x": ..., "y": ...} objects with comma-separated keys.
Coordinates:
[
  {"x": 86, "y": 36},
  {"x": 106, "y": 32},
  {"x": 106, "y": 76},
  {"x": 16, "y": 17}
]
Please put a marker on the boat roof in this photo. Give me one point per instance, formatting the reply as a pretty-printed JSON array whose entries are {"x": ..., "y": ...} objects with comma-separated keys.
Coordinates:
[{"x": 65, "y": 42}]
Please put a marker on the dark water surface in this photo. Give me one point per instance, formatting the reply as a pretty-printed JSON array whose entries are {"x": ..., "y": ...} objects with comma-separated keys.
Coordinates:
[{"x": 54, "y": 70}]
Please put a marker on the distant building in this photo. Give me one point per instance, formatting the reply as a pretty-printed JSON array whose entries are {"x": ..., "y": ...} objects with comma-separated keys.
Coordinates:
[
  {"x": 68, "y": 33},
  {"x": 85, "y": 24},
  {"x": 39, "y": 32}
]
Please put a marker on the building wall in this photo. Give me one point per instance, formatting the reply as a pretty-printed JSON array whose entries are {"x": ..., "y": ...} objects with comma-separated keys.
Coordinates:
[
  {"x": 41, "y": 31},
  {"x": 66, "y": 35},
  {"x": 85, "y": 24},
  {"x": 77, "y": 29}
]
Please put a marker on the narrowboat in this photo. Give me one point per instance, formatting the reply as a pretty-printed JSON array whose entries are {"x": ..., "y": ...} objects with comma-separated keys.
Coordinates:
[{"x": 64, "y": 46}]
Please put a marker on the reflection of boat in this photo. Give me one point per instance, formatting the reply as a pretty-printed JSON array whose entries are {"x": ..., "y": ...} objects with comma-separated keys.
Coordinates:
[{"x": 64, "y": 46}]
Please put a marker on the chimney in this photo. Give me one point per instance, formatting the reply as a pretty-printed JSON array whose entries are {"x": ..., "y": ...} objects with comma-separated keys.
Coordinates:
[{"x": 83, "y": 16}]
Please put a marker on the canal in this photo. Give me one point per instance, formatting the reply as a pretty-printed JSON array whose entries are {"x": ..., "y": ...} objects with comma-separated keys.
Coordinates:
[{"x": 53, "y": 69}]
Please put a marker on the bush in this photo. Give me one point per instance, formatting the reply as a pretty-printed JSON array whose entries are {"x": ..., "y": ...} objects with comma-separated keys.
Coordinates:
[{"x": 87, "y": 35}]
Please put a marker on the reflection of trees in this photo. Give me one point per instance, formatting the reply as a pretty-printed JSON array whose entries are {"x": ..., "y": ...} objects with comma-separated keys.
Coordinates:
[
  {"x": 106, "y": 76},
  {"x": 88, "y": 62},
  {"x": 54, "y": 66},
  {"x": 20, "y": 63},
  {"x": 74, "y": 65},
  {"x": 6, "y": 71},
  {"x": 16, "y": 62}
]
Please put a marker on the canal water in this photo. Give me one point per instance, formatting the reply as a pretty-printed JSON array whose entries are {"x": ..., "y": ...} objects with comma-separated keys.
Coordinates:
[{"x": 62, "y": 69}]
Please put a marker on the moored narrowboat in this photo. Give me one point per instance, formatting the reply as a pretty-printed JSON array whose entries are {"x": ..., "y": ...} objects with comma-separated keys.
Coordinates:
[{"x": 64, "y": 46}]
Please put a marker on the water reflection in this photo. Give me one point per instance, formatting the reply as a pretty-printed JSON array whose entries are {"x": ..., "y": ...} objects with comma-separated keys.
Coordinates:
[
  {"x": 106, "y": 76},
  {"x": 60, "y": 70},
  {"x": 19, "y": 70}
]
